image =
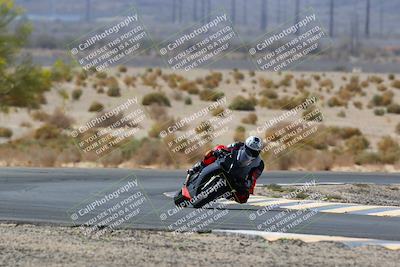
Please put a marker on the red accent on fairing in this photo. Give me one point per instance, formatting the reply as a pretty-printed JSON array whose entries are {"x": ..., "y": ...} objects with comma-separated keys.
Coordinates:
[
  {"x": 185, "y": 193},
  {"x": 207, "y": 161},
  {"x": 209, "y": 158},
  {"x": 220, "y": 147}
]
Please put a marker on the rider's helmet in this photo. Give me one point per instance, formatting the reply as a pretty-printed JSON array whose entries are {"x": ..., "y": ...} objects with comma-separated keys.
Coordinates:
[
  {"x": 250, "y": 151},
  {"x": 253, "y": 146}
]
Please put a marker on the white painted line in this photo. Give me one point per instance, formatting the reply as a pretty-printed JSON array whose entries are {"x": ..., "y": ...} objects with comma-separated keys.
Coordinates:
[
  {"x": 309, "y": 205},
  {"x": 391, "y": 213},
  {"x": 301, "y": 184},
  {"x": 352, "y": 208},
  {"x": 350, "y": 241}
]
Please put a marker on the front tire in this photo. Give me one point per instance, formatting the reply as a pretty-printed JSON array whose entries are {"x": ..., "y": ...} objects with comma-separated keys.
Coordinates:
[
  {"x": 179, "y": 199},
  {"x": 211, "y": 196}
]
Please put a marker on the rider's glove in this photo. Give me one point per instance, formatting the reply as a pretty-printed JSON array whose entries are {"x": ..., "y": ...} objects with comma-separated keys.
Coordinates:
[
  {"x": 219, "y": 153},
  {"x": 196, "y": 168}
]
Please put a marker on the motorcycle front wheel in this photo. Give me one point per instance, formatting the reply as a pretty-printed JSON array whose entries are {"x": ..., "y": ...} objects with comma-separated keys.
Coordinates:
[{"x": 213, "y": 195}]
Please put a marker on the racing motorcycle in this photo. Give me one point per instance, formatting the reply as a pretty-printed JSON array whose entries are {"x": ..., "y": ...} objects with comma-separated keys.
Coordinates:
[{"x": 219, "y": 179}]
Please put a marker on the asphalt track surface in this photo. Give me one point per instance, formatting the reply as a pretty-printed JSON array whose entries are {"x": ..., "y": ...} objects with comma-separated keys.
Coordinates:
[{"x": 50, "y": 196}]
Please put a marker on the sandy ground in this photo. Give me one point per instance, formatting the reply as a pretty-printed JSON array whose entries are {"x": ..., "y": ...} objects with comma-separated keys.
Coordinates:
[
  {"x": 374, "y": 127},
  {"x": 27, "y": 245},
  {"x": 366, "y": 194}
]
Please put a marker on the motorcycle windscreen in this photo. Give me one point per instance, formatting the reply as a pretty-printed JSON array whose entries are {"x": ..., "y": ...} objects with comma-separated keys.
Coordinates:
[{"x": 243, "y": 158}]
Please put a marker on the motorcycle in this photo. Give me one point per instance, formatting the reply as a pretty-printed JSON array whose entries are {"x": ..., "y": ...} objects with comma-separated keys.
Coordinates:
[{"x": 217, "y": 180}]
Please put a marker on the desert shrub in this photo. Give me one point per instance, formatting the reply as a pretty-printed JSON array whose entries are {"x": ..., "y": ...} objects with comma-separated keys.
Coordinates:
[
  {"x": 101, "y": 75},
  {"x": 114, "y": 92},
  {"x": 290, "y": 102},
  {"x": 389, "y": 150},
  {"x": 39, "y": 115},
  {"x": 122, "y": 68},
  {"x": 353, "y": 85},
  {"x": 63, "y": 94},
  {"x": 156, "y": 98},
  {"x": 252, "y": 73},
  {"x": 265, "y": 102},
  {"x": 240, "y": 134},
  {"x": 96, "y": 107},
  {"x": 391, "y": 76},
  {"x": 76, "y": 94},
  {"x": 59, "y": 119},
  {"x": 335, "y": 102},
  {"x": 286, "y": 81},
  {"x": 47, "y": 131},
  {"x": 396, "y": 84},
  {"x": 188, "y": 101},
  {"x": 152, "y": 152},
  {"x": 364, "y": 84},
  {"x": 316, "y": 77},
  {"x": 355, "y": 144},
  {"x": 210, "y": 95},
  {"x": 345, "y": 132},
  {"x": 269, "y": 93},
  {"x": 190, "y": 87},
  {"x": 382, "y": 87},
  {"x": 155, "y": 130},
  {"x": 61, "y": 72},
  {"x": 341, "y": 114},
  {"x": 218, "y": 111},
  {"x": 365, "y": 157},
  {"x": 358, "y": 104},
  {"x": 266, "y": 83},
  {"x": 251, "y": 118},
  {"x": 393, "y": 108},
  {"x": 327, "y": 83},
  {"x": 301, "y": 84},
  {"x": 5, "y": 132},
  {"x": 212, "y": 80},
  {"x": 237, "y": 75},
  {"x": 383, "y": 99},
  {"x": 24, "y": 86},
  {"x": 242, "y": 103},
  {"x": 375, "y": 79},
  {"x": 150, "y": 79},
  {"x": 379, "y": 112},
  {"x": 129, "y": 80},
  {"x": 397, "y": 129}
]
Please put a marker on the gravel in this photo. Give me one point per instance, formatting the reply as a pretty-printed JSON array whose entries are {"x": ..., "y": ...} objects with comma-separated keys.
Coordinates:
[
  {"x": 28, "y": 245},
  {"x": 366, "y": 194}
]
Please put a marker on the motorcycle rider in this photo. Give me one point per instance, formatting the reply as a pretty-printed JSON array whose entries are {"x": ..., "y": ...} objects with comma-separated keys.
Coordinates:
[{"x": 248, "y": 157}]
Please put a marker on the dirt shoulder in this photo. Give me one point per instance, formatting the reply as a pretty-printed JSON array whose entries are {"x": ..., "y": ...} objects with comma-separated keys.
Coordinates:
[
  {"x": 366, "y": 194},
  {"x": 27, "y": 245}
]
